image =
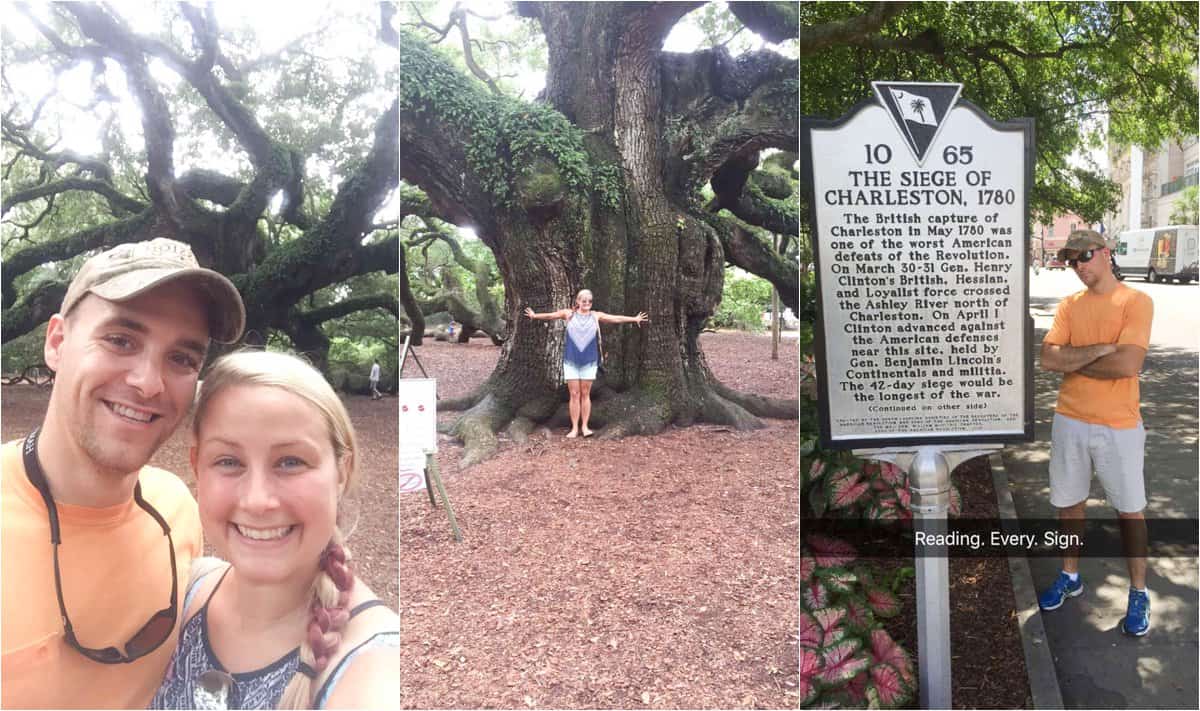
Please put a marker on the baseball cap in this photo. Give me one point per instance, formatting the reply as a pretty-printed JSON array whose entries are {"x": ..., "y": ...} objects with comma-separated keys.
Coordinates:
[
  {"x": 1081, "y": 241},
  {"x": 127, "y": 270}
]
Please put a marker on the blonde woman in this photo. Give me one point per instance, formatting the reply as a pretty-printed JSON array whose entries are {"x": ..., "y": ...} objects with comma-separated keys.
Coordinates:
[
  {"x": 284, "y": 623},
  {"x": 581, "y": 357}
]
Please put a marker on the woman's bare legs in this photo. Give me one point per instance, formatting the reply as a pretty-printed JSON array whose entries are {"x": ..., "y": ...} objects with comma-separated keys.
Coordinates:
[
  {"x": 573, "y": 388},
  {"x": 585, "y": 405}
]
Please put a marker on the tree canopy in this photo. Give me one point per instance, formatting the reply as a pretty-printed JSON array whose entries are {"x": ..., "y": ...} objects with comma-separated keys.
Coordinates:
[
  {"x": 271, "y": 150},
  {"x": 1073, "y": 67},
  {"x": 637, "y": 172}
]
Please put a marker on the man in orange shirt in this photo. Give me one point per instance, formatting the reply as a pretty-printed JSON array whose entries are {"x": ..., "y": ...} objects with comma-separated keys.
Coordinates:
[
  {"x": 1098, "y": 341},
  {"x": 95, "y": 543}
]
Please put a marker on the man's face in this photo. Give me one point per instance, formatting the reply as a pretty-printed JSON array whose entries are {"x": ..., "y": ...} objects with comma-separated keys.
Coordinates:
[
  {"x": 1092, "y": 271},
  {"x": 126, "y": 372}
]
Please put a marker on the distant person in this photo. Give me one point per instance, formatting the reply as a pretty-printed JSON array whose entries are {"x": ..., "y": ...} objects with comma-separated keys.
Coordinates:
[
  {"x": 96, "y": 545},
  {"x": 581, "y": 357},
  {"x": 1098, "y": 341},
  {"x": 282, "y": 621},
  {"x": 373, "y": 378},
  {"x": 450, "y": 332}
]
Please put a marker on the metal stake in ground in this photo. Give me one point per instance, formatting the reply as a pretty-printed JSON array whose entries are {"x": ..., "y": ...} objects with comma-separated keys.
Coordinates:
[
  {"x": 929, "y": 469},
  {"x": 929, "y": 481}
]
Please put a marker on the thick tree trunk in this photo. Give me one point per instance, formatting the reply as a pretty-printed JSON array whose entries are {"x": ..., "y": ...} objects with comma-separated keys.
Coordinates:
[{"x": 639, "y": 242}]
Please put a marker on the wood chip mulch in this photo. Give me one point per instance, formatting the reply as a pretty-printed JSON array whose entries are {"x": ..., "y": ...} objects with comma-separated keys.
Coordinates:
[
  {"x": 648, "y": 572},
  {"x": 987, "y": 661}
]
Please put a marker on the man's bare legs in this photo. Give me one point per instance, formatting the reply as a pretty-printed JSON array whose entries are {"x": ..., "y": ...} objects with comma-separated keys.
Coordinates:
[
  {"x": 1133, "y": 541},
  {"x": 1070, "y": 522},
  {"x": 1134, "y": 545}
]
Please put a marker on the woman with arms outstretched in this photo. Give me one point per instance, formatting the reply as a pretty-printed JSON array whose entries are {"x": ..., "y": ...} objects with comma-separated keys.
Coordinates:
[{"x": 581, "y": 357}]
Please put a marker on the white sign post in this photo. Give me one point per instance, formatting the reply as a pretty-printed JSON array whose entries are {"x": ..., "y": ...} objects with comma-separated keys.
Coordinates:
[
  {"x": 919, "y": 207},
  {"x": 418, "y": 443}
]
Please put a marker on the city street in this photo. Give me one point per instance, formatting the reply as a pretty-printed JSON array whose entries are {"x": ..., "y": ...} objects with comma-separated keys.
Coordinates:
[
  {"x": 1097, "y": 666},
  {"x": 1176, "y": 318}
]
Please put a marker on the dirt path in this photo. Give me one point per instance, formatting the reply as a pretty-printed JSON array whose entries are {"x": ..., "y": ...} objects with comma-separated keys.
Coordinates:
[
  {"x": 372, "y": 540},
  {"x": 651, "y": 572}
]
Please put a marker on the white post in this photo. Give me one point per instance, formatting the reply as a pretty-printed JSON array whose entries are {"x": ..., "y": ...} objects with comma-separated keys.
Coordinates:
[
  {"x": 929, "y": 481},
  {"x": 929, "y": 471}
]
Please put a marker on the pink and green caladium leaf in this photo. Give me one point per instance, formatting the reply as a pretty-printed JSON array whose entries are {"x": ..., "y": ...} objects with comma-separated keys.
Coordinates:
[
  {"x": 816, "y": 469},
  {"x": 883, "y": 602},
  {"x": 811, "y": 634},
  {"x": 829, "y": 552},
  {"x": 845, "y": 492},
  {"x": 838, "y": 580},
  {"x": 807, "y": 566},
  {"x": 814, "y": 595},
  {"x": 855, "y": 690},
  {"x": 888, "y": 685},
  {"x": 858, "y": 615},
  {"x": 829, "y": 618},
  {"x": 810, "y": 667},
  {"x": 955, "y": 501},
  {"x": 885, "y": 650},
  {"x": 891, "y": 473},
  {"x": 841, "y": 661}
]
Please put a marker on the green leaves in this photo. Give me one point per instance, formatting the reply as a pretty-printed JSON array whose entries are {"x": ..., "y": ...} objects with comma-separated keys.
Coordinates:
[{"x": 1066, "y": 65}]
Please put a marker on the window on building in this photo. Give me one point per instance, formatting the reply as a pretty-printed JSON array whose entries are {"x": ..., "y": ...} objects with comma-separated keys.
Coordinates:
[{"x": 1192, "y": 167}]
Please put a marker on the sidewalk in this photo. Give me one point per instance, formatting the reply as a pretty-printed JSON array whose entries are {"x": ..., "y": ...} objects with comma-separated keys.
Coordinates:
[{"x": 1097, "y": 665}]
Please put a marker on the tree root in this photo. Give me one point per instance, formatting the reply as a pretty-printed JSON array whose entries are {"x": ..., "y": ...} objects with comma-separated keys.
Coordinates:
[
  {"x": 477, "y": 429},
  {"x": 630, "y": 413},
  {"x": 465, "y": 402},
  {"x": 775, "y": 408},
  {"x": 519, "y": 429}
]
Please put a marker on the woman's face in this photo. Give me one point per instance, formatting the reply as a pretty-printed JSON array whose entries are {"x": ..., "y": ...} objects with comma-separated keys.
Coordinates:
[
  {"x": 268, "y": 483},
  {"x": 583, "y": 301}
]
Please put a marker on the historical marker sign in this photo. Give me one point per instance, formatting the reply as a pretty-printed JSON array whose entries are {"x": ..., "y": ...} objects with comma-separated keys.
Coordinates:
[{"x": 919, "y": 206}]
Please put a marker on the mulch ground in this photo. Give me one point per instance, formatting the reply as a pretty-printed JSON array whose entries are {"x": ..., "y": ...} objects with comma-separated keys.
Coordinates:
[
  {"x": 369, "y": 513},
  {"x": 987, "y": 661},
  {"x": 648, "y": 572}
]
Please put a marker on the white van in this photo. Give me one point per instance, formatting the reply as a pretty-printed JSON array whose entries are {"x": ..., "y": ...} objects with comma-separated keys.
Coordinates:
[{"x": 1159, "y": 253}]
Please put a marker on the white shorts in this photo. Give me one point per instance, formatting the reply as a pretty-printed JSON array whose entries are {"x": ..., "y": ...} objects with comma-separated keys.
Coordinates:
[
  {"x": 587, "y": 372},
  {"x": 1077, "y": 448}
]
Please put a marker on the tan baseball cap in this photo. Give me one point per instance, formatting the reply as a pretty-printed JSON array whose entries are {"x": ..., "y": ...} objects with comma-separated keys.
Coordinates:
[
  {"x": 127, "y": 270},
  {"x": 1081, "y": 241}
]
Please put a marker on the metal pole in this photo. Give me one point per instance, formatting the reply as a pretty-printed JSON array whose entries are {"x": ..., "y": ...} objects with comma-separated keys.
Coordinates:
[{"x": 929, "y": 480}]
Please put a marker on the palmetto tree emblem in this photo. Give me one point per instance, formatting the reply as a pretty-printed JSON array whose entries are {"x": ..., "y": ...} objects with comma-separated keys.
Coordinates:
[{"x": 918, "y": 107}]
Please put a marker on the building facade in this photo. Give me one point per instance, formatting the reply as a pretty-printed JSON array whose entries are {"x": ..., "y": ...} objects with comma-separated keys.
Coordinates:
[{"x": 1164, "y": 173}]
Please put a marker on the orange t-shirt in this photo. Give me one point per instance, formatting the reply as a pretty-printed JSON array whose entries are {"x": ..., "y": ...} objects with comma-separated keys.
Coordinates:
[
  {"x": 114, "y": 564},
  {"x": 1121, "y": 317}
]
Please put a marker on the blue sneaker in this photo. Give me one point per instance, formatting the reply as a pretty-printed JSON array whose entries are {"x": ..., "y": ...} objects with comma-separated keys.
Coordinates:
[
  {"x": 1137, "y": 615},
  {"x": 1053, "y": 597}
]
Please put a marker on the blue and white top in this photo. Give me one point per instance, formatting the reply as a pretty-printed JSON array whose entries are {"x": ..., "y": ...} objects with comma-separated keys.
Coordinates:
[
  {"x": 259, "y": 689},
  {"x": 583, "y": 340}
]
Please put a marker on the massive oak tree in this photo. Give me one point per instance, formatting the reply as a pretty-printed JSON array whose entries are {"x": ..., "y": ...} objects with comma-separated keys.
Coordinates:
[
  {"x": 290, "y": 155},
  {"x": 598, "y": 184}
]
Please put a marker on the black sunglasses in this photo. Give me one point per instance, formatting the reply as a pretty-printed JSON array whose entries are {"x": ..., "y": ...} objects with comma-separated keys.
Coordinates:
[
  {"x": 152, "y": 634},
  {"x": 1083, "y": 258}
]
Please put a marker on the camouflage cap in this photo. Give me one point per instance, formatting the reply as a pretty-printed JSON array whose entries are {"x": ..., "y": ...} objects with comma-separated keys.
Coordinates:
[
  {"x": 1081, "y": 241},
  {"x": 127, "y": 270}
]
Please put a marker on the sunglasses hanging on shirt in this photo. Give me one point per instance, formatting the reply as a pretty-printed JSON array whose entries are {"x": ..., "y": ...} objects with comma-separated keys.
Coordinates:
[{"x": 152, "y": 634}]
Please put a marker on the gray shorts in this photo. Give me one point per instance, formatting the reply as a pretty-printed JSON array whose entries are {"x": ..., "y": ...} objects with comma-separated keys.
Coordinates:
[{"x": 1077, "y": 448}]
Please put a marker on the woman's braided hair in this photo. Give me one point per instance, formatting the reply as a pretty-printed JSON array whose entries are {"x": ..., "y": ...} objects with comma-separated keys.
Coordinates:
[{"x": 329, "y": 610}]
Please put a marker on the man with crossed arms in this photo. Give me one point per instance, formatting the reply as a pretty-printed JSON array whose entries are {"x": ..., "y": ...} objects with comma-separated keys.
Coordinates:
[{"x": 1098, "y": 341}]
